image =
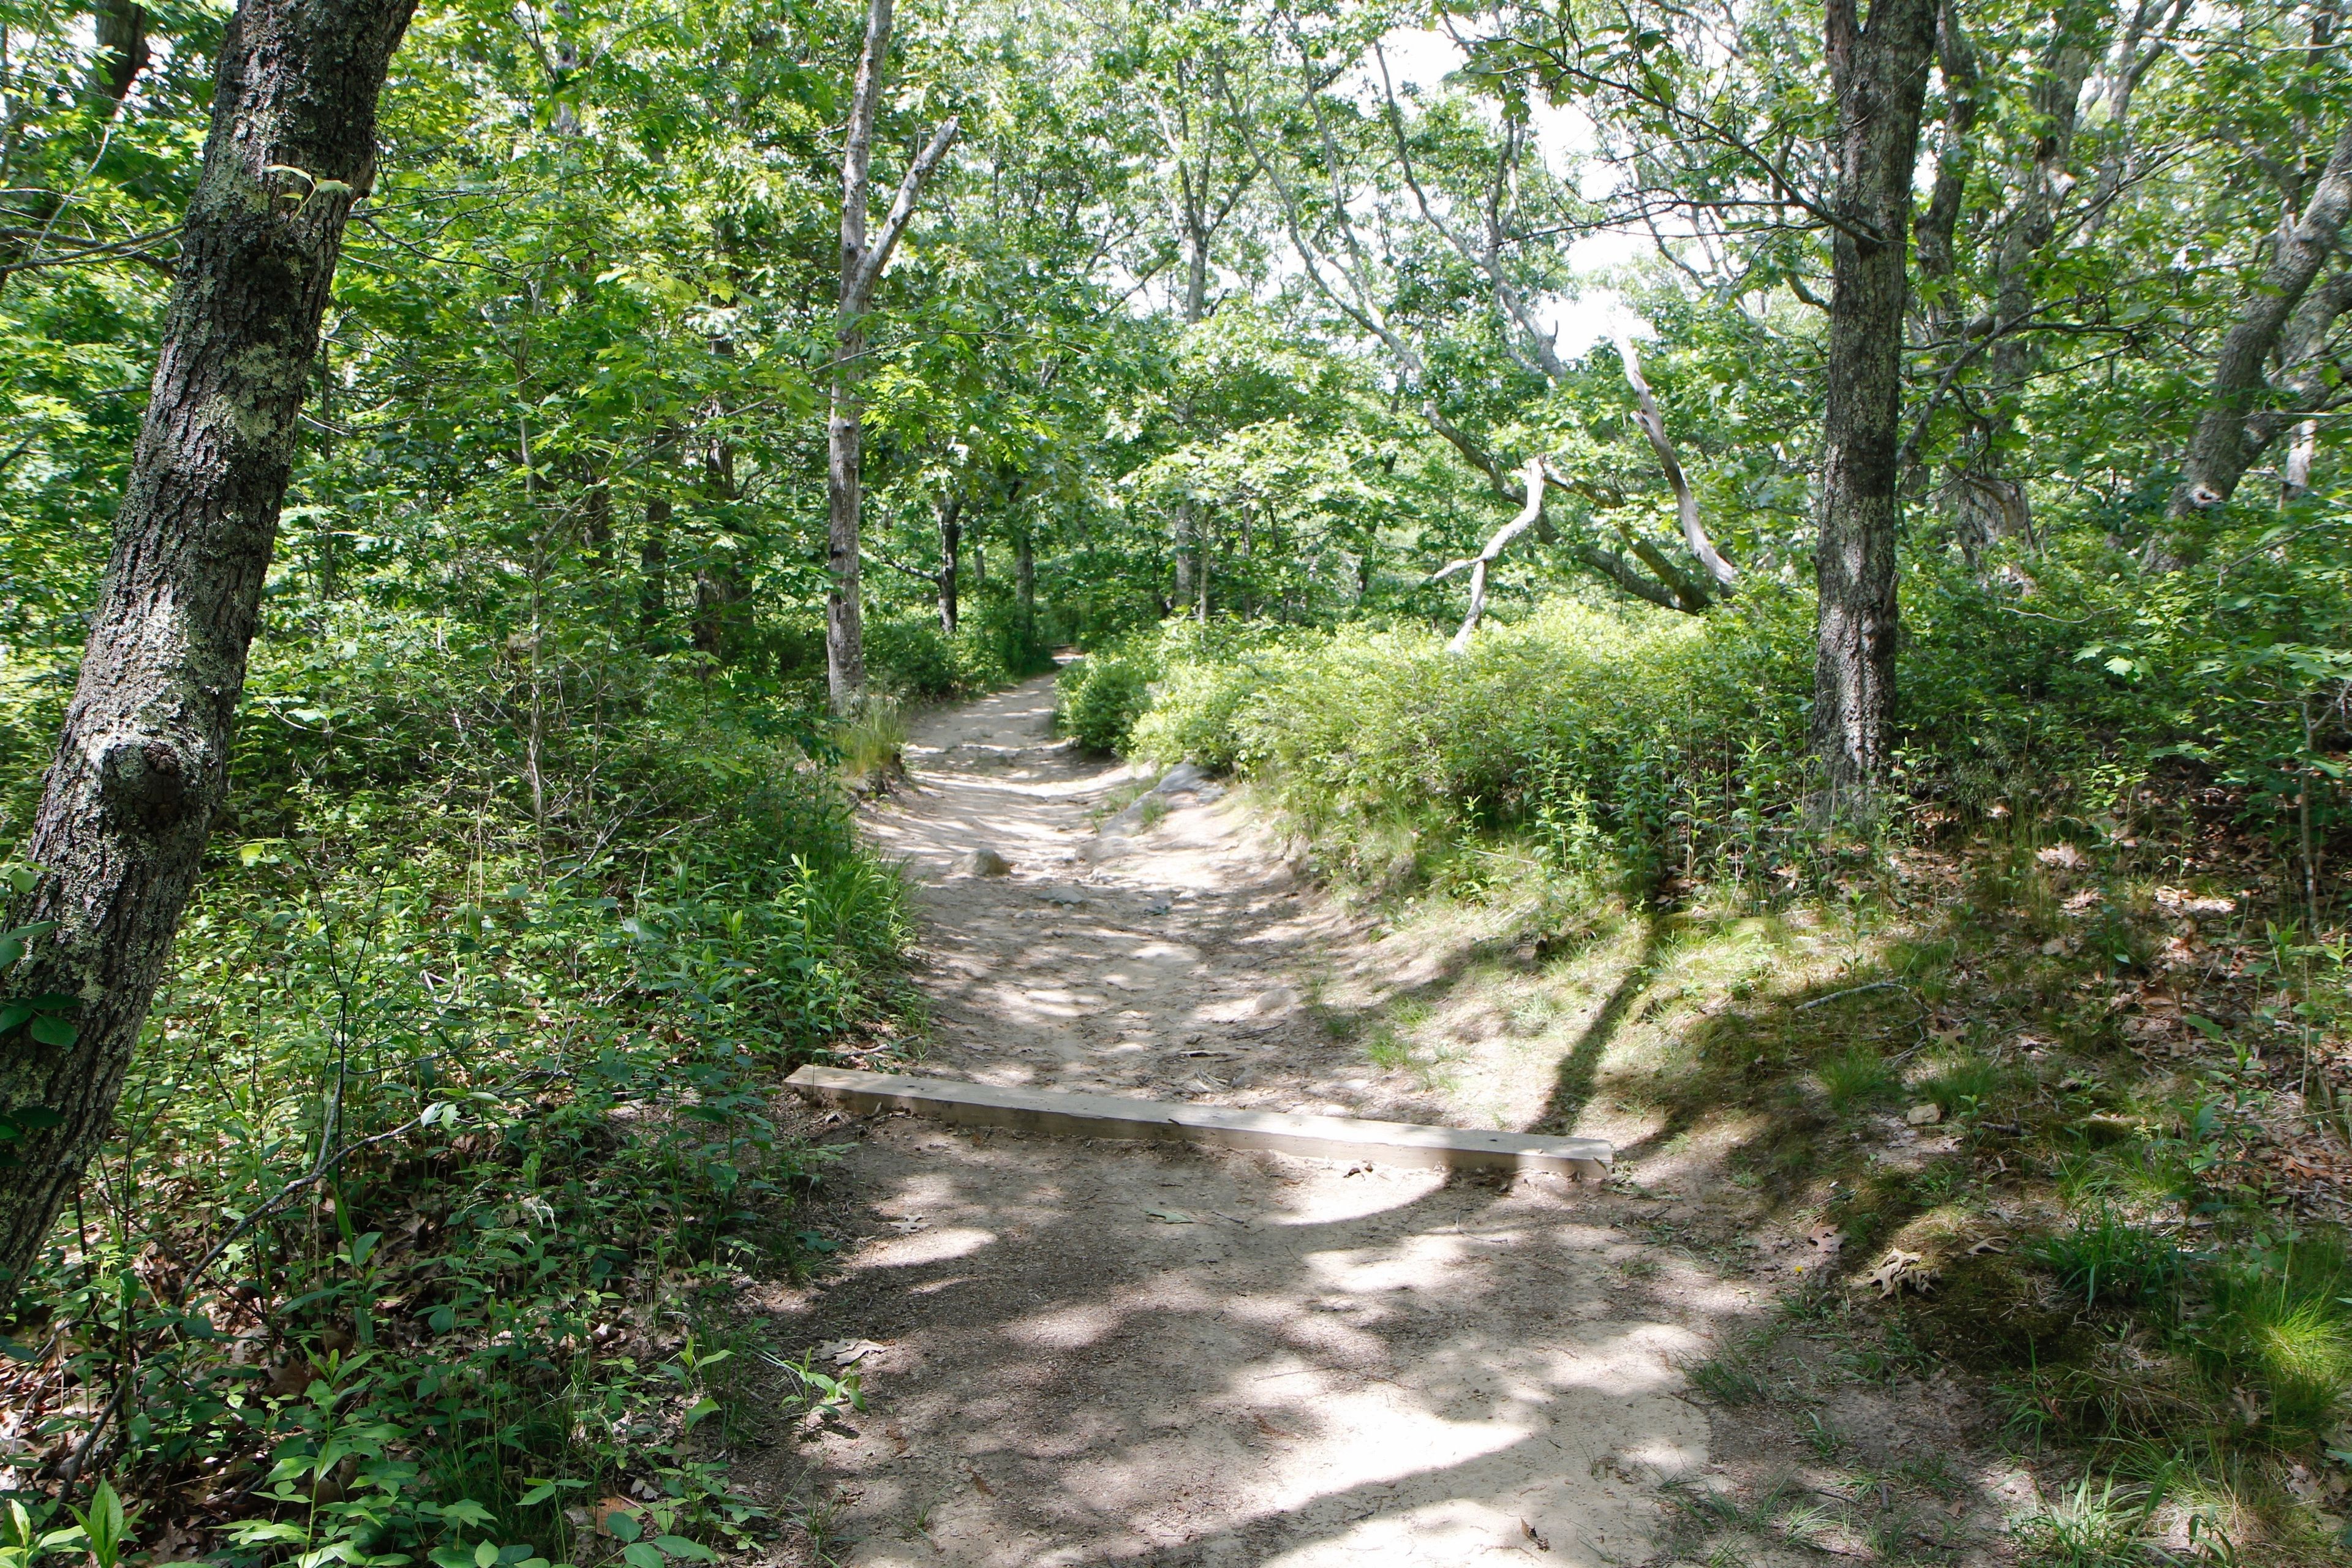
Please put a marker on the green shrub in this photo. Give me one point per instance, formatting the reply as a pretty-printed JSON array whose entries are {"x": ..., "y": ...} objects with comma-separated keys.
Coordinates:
[
  {"x": 1101, "y": 696},
  {"x": 908, "y": 656},
  {"x": 1600, "y": 733}
]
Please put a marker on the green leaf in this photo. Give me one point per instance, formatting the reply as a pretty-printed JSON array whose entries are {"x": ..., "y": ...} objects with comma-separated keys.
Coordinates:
[
  {"x": 679, "y": 1546},
  {"x": 537, "y": 1495},
  {"x": 51, "y": 1030},
  {"x": 486, "y": 1555},
  {"x": 622, "y": 1525}
]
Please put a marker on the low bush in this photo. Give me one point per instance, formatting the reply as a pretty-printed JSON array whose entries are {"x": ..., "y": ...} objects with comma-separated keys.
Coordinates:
[
  {"x": 1101, "y": 697},
  {"x": 909, "y": 658},
  {"x": 1659, "y": 744}
]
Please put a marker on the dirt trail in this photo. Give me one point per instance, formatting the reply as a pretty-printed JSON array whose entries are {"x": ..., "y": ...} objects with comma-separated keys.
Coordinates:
[{"x": 1095, "y": 1353}]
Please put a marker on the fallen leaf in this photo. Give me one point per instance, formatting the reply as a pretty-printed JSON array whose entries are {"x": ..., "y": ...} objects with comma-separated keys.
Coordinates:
[
  {"x": 1983, "y": 1244},
  {"x": 607, "y": 1508},
  {"x": 1825, "y": 1238},
  {"x": 982, "y": 1482},
  {"x": 1900, "y": 1270},
  {"x": 1529, "y": 1532},
  {"x": 1269, "y": 1428},
  {"x": 909, "y": 1225},
  {"x": 847, "y": 1353}
]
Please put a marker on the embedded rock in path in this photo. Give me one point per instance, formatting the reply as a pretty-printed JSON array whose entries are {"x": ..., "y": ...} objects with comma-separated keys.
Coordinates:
[
  {"x": 982, "y": 863},
  {"x": 1186, "y": 778}
]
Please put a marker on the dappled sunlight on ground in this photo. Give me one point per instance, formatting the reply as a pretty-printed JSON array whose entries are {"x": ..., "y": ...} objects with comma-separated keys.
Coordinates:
[
  {"x": 1104, "y": 1353},
  {"x": 1185, "y": 1356}
]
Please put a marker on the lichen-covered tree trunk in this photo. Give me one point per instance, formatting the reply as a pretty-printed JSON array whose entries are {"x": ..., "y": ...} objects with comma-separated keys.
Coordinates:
[
  {"x": 143, "y": 761},
  {"x": 1879, "y": 72}
]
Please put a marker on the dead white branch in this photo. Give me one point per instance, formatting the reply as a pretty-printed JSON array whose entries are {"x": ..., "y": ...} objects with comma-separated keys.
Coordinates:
[
  {"x": 1531, "y": 475},
  {"x": 1654, "y": 426}
]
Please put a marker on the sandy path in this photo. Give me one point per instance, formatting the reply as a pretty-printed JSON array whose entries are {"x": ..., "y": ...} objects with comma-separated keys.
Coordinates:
[{"x": 1095, "y": 1354}]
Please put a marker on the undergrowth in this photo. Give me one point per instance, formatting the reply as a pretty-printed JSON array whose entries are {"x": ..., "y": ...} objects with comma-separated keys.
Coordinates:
[{"x": 449, "y": 1142}]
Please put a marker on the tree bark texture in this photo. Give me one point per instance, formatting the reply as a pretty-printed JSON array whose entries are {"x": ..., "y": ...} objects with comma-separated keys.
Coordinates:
[
  {"x": 143, "y": 763},
  {"x": 1879, "y": 72},
  {"x": 950, "y": 551},
  {"x": 2220, "y": 452}
]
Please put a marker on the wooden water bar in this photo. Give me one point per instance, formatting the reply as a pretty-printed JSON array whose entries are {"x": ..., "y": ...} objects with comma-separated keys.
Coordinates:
[{"x": 1073, "y": 1115}]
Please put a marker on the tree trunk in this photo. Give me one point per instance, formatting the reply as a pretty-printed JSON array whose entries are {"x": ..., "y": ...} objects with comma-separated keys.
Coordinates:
[
  {"x": 596, "y": 527},
  {"x": 123, "y": 52},
  {"x": 1025, "y": 579},
  {"x": 844, "y": 622},
  {"x": 2219, "y": 453},
  {"x": 1879, "y": 73},
  {"x": 950, "y": 550},
  {"x": 143, "y": 761},
  {"x": 718, "y": 617},
  {"x": 2295, "y": 475},
  {"x": 1991, "y": 504},
  {"x": 1184, "y": 541},
  {"x": 653, "y": 567},
  {"x": 861, "y": 268}
]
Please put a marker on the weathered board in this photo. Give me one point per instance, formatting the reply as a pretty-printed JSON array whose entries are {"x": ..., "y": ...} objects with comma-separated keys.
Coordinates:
[{"x": 1073, "y": 1115}]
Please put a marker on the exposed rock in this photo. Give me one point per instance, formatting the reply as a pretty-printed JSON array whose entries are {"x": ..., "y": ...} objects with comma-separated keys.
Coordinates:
[
  {"x": 1184, "y": 778},
  {"x": 982, "y": 863}
]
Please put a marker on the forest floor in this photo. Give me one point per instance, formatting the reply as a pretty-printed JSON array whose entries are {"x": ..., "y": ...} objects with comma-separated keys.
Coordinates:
[{"x": 1077, "y": 1353}]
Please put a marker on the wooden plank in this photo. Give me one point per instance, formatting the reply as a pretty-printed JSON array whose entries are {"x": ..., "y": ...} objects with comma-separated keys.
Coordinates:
[{"x": 1073, "y": 1115}]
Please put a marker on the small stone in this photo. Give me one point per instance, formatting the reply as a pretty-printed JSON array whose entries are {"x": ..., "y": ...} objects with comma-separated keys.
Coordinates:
[
  {"x": 1274, "y": 1001},
  {"x": 982, "y": 863},
  {"x": 1924, "y": 1115}
]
